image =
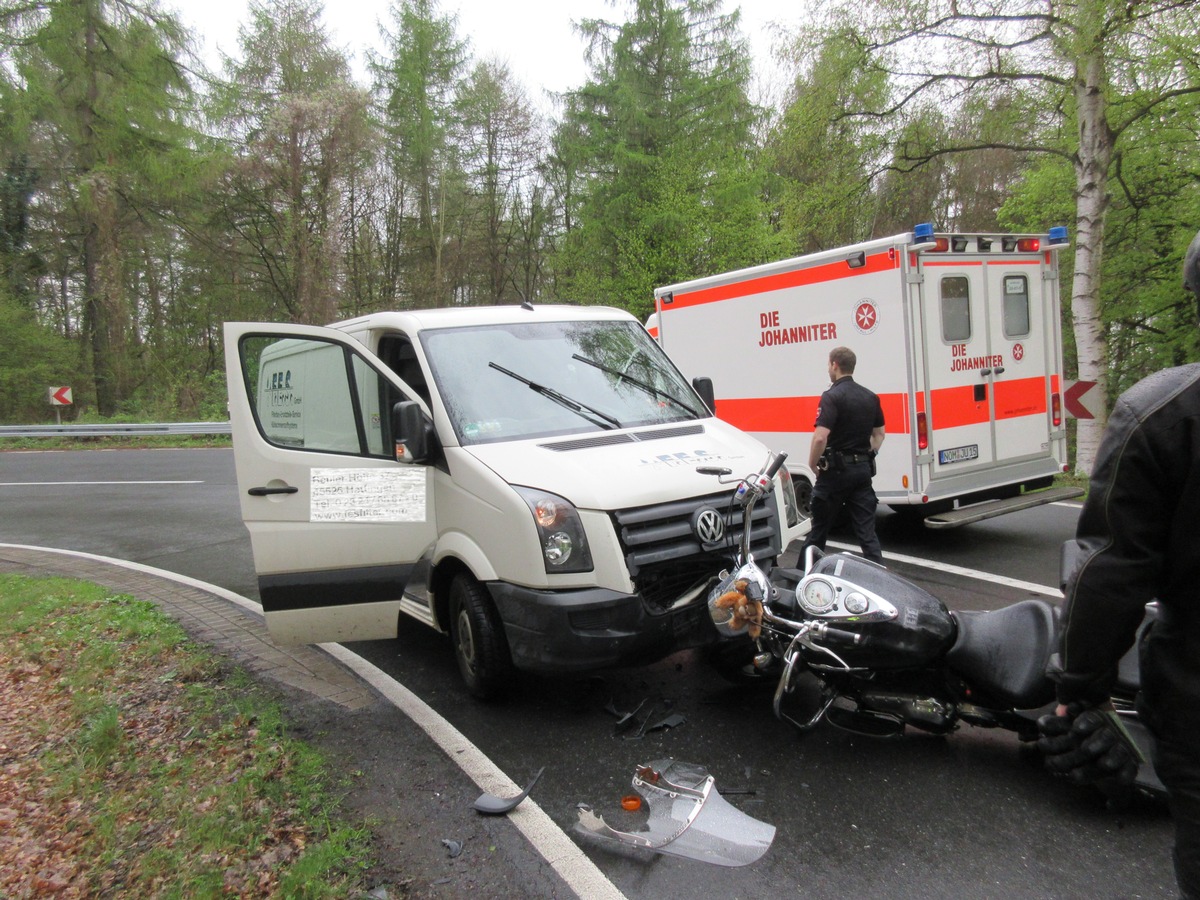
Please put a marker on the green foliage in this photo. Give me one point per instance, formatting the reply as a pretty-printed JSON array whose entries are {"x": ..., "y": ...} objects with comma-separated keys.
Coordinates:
[
  {"x": 655, "y": 157},
  {"x": 32, "y": 359},
  {"x": 418, "y": 79},
  {"x": 823, "y": 155},
  {"x": 128, "y": 233},
  {"x": 302, "y": 128}
]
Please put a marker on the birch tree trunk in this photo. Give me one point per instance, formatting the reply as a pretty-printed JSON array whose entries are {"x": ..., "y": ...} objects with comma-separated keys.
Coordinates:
[{"x": 1091, "y": 184}]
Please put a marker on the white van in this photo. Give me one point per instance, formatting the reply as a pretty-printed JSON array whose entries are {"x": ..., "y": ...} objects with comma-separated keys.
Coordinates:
[{"x": 524, "y": 479}]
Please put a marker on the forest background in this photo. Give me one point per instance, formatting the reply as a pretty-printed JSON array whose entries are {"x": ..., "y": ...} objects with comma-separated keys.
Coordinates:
[{"x": 145, "y": 198}]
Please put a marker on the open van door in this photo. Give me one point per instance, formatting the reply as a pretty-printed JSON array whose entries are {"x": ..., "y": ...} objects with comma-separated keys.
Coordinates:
[{"x": 336, "y": 522}]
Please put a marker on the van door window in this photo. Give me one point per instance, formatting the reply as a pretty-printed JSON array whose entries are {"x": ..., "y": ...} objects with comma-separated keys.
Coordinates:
[
  {"x": 316, "y": 395},
  {"x": 1016, "y": 306},
  {"x": 401, "y": 356},
  {"x": 956, "y": 309}
]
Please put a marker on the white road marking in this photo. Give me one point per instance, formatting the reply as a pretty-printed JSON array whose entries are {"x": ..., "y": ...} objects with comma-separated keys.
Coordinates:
[
  {"x": 1030, "y": 586},
  {"x": 60, "y": 483}
]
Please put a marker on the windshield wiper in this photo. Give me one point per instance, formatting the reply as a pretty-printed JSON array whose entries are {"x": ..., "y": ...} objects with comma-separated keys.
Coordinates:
[
  {"x": 606, "y": 421},
  {"x": 648, "y": 388}
]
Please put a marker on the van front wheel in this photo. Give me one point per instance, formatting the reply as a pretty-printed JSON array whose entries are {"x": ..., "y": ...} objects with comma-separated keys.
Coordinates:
[{"x": 478, "y": 636}]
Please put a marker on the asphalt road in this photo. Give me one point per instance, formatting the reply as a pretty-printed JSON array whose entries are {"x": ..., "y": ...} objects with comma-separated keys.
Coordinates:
[{"x": 968, "y": 816}]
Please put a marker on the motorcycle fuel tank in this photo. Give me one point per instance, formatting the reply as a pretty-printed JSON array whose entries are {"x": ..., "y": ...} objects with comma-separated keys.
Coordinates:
[{"x": 919, "y": 633}]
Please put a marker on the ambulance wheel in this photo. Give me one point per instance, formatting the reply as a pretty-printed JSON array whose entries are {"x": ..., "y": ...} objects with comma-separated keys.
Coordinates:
[{"x": 479, "y": 644}]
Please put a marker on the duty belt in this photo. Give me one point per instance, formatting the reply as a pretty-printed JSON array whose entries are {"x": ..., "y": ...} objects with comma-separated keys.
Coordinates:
[{"x": 853, "y": 457}]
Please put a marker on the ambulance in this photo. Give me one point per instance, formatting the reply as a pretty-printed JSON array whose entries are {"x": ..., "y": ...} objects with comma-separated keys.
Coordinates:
[{"x": 958, "y": 334}]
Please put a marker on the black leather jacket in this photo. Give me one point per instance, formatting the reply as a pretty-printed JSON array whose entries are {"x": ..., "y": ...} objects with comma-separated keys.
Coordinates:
[{"x": 1140, "y": 536}]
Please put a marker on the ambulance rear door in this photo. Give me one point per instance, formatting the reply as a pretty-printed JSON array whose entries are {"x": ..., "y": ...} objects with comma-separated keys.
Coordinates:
[
  {"x": 1024, "y": 340},
  {"x": 988, "y": 355}
]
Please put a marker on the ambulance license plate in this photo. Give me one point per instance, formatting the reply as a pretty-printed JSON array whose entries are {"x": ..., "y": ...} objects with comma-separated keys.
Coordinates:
[{"x": 958, "y": 454}]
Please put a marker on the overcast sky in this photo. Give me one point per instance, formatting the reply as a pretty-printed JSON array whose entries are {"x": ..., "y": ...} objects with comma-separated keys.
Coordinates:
[{"x": 534, "y": 37}]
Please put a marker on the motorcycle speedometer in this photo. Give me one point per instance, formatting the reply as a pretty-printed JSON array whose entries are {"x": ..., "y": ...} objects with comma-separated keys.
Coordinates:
[{"x": 816, "y": 595}]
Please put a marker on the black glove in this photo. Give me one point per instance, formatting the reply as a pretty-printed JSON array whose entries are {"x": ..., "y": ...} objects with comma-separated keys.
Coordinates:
[{"x": 1088, "y": 745}]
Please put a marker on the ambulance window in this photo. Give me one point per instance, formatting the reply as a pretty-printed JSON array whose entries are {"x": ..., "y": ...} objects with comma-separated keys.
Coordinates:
[
  {"x": 956, "y": 309},
  {"x": 1016, "y": 306}
]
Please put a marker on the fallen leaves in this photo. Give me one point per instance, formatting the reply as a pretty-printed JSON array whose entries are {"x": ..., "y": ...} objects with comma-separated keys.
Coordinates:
[{"x": 175, "y": 803}]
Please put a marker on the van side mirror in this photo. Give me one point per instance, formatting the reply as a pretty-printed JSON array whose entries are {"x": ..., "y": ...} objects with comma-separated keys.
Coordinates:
[
  {"x": 704, "y": 387},
  {"x": 412, "y": 432}
]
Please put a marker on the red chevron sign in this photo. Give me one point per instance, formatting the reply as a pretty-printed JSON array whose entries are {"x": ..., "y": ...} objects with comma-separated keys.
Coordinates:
[{"x": 1080, "y": 401}]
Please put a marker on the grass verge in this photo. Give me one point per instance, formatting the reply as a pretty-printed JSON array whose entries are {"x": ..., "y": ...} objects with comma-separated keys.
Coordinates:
[
  {"x": 123, "y": 442},
  {"x": 133, "y": 763}
]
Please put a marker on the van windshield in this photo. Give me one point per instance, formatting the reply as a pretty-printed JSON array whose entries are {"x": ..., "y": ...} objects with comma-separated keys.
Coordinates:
[{"x": 536, "y": 379}]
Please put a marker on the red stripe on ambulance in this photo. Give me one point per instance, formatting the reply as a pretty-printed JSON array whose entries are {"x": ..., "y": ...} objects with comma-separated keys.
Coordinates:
[
  {"x": 784, "y": 414},
  {"x": 877, "y": 262}
]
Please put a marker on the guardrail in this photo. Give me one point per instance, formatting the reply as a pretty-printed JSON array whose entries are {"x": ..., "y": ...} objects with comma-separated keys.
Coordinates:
[{"x": 114, "y": 430}]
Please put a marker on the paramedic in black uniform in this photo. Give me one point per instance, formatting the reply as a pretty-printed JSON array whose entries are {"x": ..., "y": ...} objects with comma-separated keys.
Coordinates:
[
  {"x": 846, "y": 437},
  {"x": 1139, "y": 534}
]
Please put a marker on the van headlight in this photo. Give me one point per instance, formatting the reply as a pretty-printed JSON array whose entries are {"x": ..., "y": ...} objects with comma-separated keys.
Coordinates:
[
  {"x": 560, "y": 532},
  {"x": 790, "y": 506}
]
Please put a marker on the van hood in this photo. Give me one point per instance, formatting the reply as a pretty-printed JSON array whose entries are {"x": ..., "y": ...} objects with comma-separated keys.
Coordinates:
[{"x": 615, "y": 470}]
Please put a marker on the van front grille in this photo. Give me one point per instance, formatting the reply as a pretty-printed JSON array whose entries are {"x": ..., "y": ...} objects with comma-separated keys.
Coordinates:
[{"x": 665, "y": 558}]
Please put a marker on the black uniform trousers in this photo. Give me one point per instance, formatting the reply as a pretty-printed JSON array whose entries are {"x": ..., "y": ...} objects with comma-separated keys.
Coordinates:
[{"x": 849, "y": 488}]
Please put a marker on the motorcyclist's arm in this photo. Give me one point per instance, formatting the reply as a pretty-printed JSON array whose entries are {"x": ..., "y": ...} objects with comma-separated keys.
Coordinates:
[{"x": 1122, "y": 533}]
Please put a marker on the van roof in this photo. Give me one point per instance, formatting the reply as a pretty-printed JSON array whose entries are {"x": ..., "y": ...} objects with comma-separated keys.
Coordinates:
[{"x": 464, "y": 316}]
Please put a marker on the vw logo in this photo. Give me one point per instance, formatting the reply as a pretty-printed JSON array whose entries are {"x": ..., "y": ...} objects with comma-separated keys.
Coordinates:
[{"x": 708, "y": 526}]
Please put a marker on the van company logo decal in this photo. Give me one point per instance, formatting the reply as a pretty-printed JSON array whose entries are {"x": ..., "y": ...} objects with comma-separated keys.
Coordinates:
[
  {"x": 688, "y": 458},
  {"x": 866, "y": 316}
]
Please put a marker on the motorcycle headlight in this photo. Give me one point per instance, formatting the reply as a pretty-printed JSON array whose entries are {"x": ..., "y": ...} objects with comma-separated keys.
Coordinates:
[
  {"x": 816, "y": 595},
  {"x": 560, "y": 532}
]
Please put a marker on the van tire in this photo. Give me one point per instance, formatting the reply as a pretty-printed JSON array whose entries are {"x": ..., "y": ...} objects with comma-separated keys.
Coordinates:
[
  {"x": 479, "y": 644},
  {"x": 804, "y": 492}
]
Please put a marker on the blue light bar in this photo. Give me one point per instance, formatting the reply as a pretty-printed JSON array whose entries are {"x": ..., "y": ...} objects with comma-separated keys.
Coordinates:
[
  {"x": 1058, "y": 235},
  {"x": 923, "y": 233}
]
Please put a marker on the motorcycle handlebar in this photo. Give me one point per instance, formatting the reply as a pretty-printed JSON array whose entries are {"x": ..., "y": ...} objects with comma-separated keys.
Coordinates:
[
  {"x": 775, "y": 465},
  {"x": 841, "y": 636}
]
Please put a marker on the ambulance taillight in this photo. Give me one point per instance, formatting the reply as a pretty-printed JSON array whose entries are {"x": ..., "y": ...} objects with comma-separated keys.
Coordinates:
[
  {"x": 922, "y": 431},
  {"x": 1056, "y": 409}
]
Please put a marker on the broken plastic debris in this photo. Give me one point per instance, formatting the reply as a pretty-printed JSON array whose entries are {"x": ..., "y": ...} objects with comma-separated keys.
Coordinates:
[
  {"x": 491, "y": 805},
  {"x": 687, "y": 817},
  {"x": 631, "y": 802},
  {"x": 453, "y": 847},
  {"x": 671, "y": 721},
  {"x": 624, "y": 720}
]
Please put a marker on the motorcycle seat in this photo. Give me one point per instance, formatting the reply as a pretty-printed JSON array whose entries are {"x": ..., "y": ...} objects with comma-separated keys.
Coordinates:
[{"x": 1003, "y": 653}]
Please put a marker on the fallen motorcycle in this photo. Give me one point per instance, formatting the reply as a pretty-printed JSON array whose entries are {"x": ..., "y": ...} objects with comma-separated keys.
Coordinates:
[{"x": 886, "y": 654}]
